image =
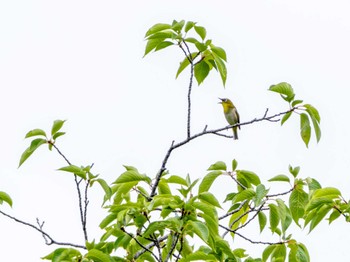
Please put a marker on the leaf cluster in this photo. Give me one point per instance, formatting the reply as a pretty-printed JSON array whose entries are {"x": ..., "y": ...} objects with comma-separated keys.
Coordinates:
[{"x": 188, "y": 35}]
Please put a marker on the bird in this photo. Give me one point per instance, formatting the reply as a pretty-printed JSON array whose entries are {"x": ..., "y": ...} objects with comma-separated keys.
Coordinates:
[{"x": 231, "y": 115}]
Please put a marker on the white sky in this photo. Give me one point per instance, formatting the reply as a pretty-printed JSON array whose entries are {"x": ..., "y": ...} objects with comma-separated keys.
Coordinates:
[{"x": 82, "y": 61}]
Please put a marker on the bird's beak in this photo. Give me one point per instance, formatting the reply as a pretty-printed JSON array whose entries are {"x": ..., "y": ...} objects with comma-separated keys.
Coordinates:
[{"x": 221, "y": 100}]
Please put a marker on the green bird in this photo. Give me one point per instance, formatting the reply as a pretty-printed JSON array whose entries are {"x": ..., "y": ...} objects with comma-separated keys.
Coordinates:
[{"x": 231, "y": 114}]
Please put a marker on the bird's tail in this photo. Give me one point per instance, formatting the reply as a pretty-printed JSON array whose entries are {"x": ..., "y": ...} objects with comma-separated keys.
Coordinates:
[{"x": 235, "y": 133}]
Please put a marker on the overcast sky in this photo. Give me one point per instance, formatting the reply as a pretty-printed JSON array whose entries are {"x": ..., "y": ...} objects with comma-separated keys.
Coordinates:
[{"x": 82, "y": 61}]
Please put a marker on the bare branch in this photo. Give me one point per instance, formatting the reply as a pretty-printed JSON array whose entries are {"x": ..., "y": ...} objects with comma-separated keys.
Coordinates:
[
  {"x": 48, "y": 239},
  {"x": 252, "y": 241},
  {"x": 139, "y": 253}
]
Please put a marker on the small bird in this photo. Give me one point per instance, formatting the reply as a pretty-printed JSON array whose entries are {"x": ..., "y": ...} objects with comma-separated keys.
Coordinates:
[{"x": 231, "y": 114}]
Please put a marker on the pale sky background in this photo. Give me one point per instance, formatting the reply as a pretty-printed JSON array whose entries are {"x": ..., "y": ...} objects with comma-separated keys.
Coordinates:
[{"x": 82, "y": 61}]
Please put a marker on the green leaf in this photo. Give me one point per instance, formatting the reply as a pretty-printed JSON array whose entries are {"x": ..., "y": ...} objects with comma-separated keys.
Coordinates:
[
  {"x": 132, "y": 176},
  {"x": 297, "y": 202},
  {"x": 234, "y": 164},
  {"x": 296, "y": 102},
  {"x": 199, "y": 256},
  {"x": 178, "y": 26},
  {"x": 294, "y": 171},
  {"x": 4, "y": 197},
  {"x": 274, "y": 217},
  {"x": 63, "y": 254},
  {"x": 285, "y": 90},
  {"x": 279, "y": 254},
  {"x": 75, "y": 170},
  {"x": 262, "y": 220},
  {"x": 176, "y": 180},
  {"x": 201, "y": 31},
  {"x": 208, "y": 181},
  {"x": 321, "y": 213},
  {"x": 57, "y": 125},
  {"x": 201, "y": 71},
  {"x": 189, "y": 25},
  {"x": 313, "y": 112},
  {"x": 58, "y": 134},
  {"x": 267, "y": 252},
  {"x": 35, "y": 132},
  {"x": 162, "y": 35},
  {"x": 260, "y": 194},
  {"x": 286, "y": 117},
  {"x": 106, "y": 188},
  {"x": 34, "y": 145},
  {"x": 246, "y": 194},
  {"x": 163, "y": 187},
  {"x": 249, "y": 176},
  {"x": 220, "y": 165},
  {"x": 329, "y": 192},
  {"x": 200, "y": 229},
  {"x": 319, "y": 202},
  {"x": 221, "y": 67},
  {"x": 280, "y": 178},
  {"x": 313, "y": 184},
  {"x": 163, "y": 45},
  {"x": 182, "y": 66},
  {"x": 219, "y": 51},
  {"x": 151, "y": 45},
  {"x": 157, "y": 28},
  {"x": 98, "y": 256},
  {"x": 305, "y": 128},
  {"x": 209, "y": 198}
]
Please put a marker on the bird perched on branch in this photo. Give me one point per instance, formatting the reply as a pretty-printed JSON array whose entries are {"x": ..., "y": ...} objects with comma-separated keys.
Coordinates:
[{"x": 231, "y": 114}]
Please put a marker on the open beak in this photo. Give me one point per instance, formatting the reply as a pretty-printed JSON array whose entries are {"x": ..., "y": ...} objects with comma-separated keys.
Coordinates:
[{"x": 221, "y": 100}]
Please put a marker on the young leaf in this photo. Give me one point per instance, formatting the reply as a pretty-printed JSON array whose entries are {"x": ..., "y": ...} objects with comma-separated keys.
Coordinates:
[
  {"x": 157, "y": 28},
  {"x": 35, "y": 132},
  {"x": 201, "y": 31},
  {"x": 281, "y": 178},
  {"x": 286, "y": 117},
  {"x": 209, "y": 198},
  {"x": 189, "y": 25},
  {"x": 30, "y": 150},
  {"x": 163, "y": 45},
  {"x": 151, "y": 45},
  {"x": 285, "y": 90},
  {"x": 274, "y": 217},
  {"x": 106, "y": 188},
  {"x": 97, "y": 255},
  {"x": 249, "y": 176},
  {"x": 199, "y": 228},
  {"x": 208, "y": 181},
  {"x": 58, "y": 134},
  {"x": 296, "y": 102},
  {"x": 4, "y": 197},
  {"x": 201, "y": 71},
  {"x": 297, "y": 203},
  {"x": 131, "y": 176},
  {"x": 262, "y": 220},
  {"x": 177, "y": 180},
  {"x": 75, "y": 170},
  {"x": 178, "y": 26},
  {"x": 220, "y": 165},
  {"x": 221, "y": 67},
  {"x": 57, "y": 125},
  {"x": 219, "y": 51},
  {"x": 305, "y": 128},
  {"x": 234, "y": 164}
]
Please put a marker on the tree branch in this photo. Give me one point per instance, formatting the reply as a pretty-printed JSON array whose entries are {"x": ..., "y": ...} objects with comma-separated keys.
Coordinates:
[
  {"x": 48, "y": 239},
  {"x": 206, "y": 132},
  {"x": 83, "y": 211},
  {"x": 252, "y": 241}
]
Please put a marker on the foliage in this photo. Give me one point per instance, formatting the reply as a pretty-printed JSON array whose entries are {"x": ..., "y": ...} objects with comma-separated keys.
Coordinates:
[{"x": 171, "y": 217}]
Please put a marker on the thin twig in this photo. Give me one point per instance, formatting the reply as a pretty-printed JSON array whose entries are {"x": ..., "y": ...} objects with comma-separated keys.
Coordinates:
[
  {"x": 141, "y": 252},
  {"x": 173, "y": 246},
  {"x": 252, "y": 241},
  {"x": 82, "y": 211},
  {"x": 140, "y": 244},
  {"x": 48, "y": 239}
]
